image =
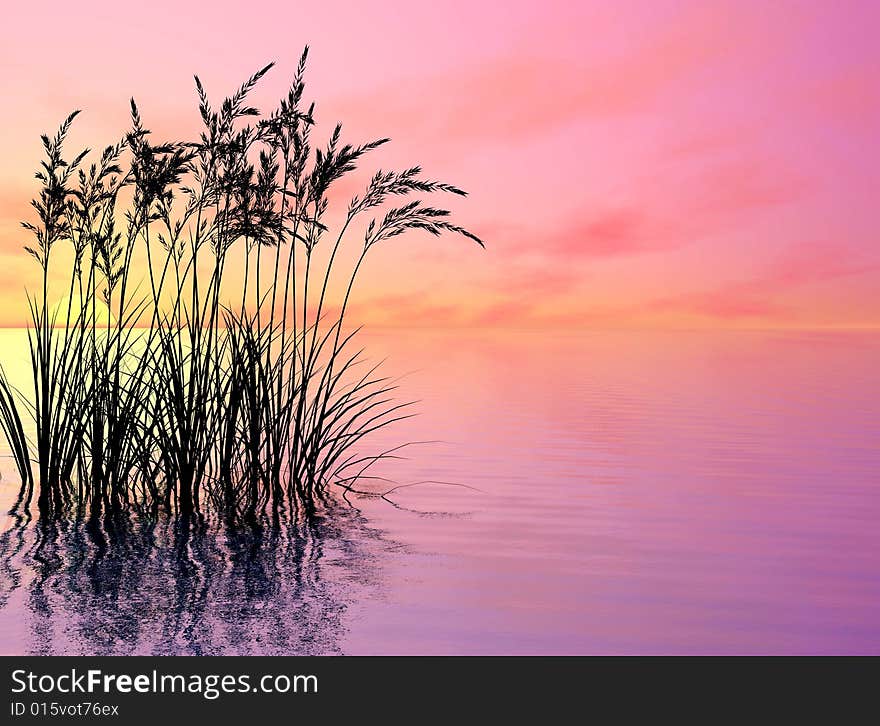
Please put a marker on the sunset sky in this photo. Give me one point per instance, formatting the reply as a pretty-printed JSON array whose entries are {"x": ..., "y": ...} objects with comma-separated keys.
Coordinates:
[{"x": 630, "y": 164}]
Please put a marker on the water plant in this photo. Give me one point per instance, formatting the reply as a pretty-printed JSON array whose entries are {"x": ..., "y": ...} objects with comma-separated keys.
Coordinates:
[{"x": 160, "y": 385}]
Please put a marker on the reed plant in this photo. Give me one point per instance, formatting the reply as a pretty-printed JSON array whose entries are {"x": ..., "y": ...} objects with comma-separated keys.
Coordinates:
[{"x": 158, "y": 385}]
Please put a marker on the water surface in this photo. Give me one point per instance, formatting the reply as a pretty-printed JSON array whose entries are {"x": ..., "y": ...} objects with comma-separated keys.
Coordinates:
[{"x": 603, "y": 492}]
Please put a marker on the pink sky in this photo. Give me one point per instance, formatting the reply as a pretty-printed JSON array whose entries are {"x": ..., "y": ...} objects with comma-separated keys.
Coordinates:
[{"x": 641, "y": 163}]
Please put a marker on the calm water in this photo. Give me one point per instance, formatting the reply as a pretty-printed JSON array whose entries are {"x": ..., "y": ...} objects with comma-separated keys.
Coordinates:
[{"x": 601, "y": 493}]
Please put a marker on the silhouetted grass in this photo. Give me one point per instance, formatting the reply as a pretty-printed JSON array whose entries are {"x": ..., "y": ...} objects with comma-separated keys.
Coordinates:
[{"x": 156, "y": 387}]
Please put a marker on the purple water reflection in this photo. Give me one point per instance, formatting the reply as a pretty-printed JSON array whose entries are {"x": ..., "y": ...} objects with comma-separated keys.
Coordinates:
[{"x": 631, "y": 493}]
